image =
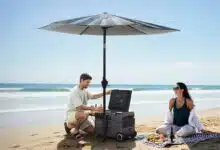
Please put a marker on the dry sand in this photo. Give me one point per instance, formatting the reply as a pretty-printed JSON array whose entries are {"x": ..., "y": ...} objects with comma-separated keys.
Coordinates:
[{"x": 52, "y": 137}]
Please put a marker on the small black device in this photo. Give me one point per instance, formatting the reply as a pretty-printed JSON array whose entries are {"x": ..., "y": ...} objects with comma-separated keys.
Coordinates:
[
  {"x": 171, "y": 134},
  {"x": 118, "y": 122}
]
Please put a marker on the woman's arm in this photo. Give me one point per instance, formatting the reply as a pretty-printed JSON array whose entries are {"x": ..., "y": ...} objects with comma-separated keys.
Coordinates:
[
  {"x": 169, "y": 116},
  {"x": 189, "y": 104},
  {"x": 171, "y": 104}
]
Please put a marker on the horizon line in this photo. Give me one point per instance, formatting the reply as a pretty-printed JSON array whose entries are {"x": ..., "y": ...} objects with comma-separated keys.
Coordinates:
[{"x": 100, "y": 83}]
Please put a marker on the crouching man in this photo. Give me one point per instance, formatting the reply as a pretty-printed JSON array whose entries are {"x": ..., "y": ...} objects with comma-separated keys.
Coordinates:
[{"x": 77, "y": 109}]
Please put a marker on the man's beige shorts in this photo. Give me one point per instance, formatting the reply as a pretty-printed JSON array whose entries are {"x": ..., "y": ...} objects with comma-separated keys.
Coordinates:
[{"x": 71, "y": 118}]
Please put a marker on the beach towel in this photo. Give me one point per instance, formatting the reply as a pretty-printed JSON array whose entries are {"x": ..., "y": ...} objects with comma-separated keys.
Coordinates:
[{"x": 196, "y": 138}]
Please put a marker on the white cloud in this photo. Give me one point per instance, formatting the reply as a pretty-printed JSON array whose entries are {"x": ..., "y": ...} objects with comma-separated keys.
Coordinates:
[{"x": 184, "y": 64}]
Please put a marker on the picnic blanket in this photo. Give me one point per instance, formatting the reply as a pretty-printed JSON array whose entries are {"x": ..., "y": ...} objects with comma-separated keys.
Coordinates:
[{"x": 199, "y": 137}]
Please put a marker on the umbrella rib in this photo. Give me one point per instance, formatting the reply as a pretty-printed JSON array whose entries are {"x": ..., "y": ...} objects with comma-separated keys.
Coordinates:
[
  {"x": 147, "y": 24},
  {"x": 84, "y": 30},
  {"x": 136, "y": 29}
]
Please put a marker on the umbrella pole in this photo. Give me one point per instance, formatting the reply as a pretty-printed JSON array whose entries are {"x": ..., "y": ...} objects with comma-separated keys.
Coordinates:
[{"x": 104, "y": 81}]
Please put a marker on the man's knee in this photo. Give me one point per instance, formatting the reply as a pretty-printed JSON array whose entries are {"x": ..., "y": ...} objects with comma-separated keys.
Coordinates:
[
  {"x": 90, "y": 130},
  {"x": 70, "y": 125},
  {"x": 80, "y": 116}
]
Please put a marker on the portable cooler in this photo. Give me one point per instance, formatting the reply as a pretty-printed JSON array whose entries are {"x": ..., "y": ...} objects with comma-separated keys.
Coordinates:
[{"x": 118, "y": 122}]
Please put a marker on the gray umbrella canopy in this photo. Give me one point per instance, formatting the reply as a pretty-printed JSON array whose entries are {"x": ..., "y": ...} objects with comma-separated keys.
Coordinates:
[
  {"x": 106, "y": 24},
  {"x": 93, "y": 25}
]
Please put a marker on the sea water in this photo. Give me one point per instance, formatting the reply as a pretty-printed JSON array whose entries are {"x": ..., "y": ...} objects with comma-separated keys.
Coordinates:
[{"x": 25, "y": 104}]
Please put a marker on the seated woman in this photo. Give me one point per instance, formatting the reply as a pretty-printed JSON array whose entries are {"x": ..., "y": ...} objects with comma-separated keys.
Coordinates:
[{"x": 181, "y": 116}]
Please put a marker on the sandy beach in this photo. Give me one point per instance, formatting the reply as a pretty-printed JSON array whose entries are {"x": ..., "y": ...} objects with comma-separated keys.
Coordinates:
[{"x": 53, "y": 137}]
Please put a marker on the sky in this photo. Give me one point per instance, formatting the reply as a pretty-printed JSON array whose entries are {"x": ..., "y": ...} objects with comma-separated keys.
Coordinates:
[{"x": 30, "y": 55}]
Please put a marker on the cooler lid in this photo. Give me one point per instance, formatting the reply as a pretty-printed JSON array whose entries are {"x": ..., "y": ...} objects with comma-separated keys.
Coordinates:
[{"x": 120, "y": 100}]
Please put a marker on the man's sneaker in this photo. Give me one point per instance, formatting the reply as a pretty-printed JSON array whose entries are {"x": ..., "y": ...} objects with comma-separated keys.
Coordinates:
[{"x": 67, "y": 129}]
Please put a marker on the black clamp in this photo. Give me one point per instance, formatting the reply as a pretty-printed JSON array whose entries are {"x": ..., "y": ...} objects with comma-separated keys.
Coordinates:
[{"x": 104, "y": 83}]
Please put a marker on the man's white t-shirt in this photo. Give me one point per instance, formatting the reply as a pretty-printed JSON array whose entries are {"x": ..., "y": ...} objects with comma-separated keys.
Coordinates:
[{"x": 77, "y": 97}]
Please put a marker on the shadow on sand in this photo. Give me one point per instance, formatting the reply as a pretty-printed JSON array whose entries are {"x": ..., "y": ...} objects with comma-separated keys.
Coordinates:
[{"x": 95, "y": 143}]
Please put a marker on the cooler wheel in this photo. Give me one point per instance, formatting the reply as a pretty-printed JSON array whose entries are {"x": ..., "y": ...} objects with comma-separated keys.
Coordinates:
[
  {"x": 135, "y": 134},
  {"x": 120, "y": 137}
]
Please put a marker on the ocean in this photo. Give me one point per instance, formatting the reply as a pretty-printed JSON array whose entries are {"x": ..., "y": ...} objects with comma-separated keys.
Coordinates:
[{"x": 25, "y": 104}]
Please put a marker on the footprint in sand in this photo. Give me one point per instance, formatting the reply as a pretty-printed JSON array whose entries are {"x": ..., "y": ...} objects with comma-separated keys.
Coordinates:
[
  {"x": 34, "y": 134},
  {"x": 56, "y": 132},
  {"x": 15, "y": 146},
  {"x": 51, "y": 142},
  {"x": 48, "y": 143},
  {"x": 64, "y": 145}
]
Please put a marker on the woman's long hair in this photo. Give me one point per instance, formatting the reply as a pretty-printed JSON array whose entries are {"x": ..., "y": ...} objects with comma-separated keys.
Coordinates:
[{"x": 185, "y": 90}]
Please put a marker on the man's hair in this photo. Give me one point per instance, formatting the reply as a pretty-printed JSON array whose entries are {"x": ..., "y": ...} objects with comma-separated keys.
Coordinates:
[{"x": 85, "y": 76}]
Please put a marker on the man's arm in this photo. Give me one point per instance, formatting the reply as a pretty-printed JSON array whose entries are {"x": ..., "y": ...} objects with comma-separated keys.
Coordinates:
[
  {"x": 91, "y": 108},
  {"x": 96, "y": 96},
  {"x": 84, "y": 107},
  {"x": 99, "y": 95}
]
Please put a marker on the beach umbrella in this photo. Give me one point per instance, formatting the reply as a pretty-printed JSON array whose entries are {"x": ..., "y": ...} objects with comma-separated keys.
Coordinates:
[{"x": 106, "y": 24}]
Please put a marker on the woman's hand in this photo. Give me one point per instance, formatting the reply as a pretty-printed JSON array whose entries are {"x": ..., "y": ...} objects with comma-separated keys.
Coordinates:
[{"x": 205, "y": 131}]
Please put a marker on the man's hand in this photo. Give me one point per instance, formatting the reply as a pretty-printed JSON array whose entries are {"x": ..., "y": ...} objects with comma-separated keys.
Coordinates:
[
  {"x": 99, "y": 109},
  {"x": 96, "y": 110},
  {"x": 108, "y": 92}
]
